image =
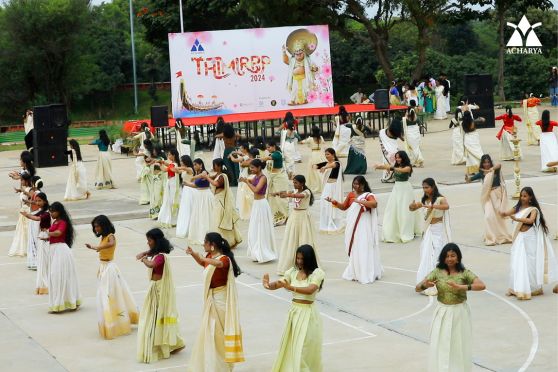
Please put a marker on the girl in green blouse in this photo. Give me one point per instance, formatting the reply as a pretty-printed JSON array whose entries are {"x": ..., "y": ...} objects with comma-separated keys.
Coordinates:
[{"x": 450, "y": 334}]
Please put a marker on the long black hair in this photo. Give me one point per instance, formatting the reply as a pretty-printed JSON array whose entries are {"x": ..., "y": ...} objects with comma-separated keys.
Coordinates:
[
  {"x": 442, "y": 257},
  {"x": 534, "y": 203},
  {"x": 273, "y": 144},
  {"x": 259, "y": 143},
  {"x": 289, "y": 117},
  {"x": 362, "y": 181},
  {"x": 223, "y": 246},
  {"x": 467, "y": 122},
  {"x": 309, "y": 261},
  {"x": 27, "y": 159},
  {"x": 316, "y": 133},
  {"x": 75, "y": 146},
  {"x": 43, "y": 197},
  {"x": 200, "y": 162},
  {"x": 509, "y": 111},
  {"x": 104, "y": 137},
  {"x": 174, "y": 152},
  {"x": 301, "y": 179},
  {"x": 224, "y": 169},
  {"x": 545, "y": 120},
  {"x": 27, "y": 178},
  {"x": 486, "y": 157},
  {"x": 396, "y": 127},
  {"x": 331, "y": 150},
  {"x": 257, "y": 163},
  {"x": 187, "y": 161},
  {"x": 411, "y": 114},
  {"x": 228, "y": 131},
  {"x": 37, "y": 182},
  {"x": 104, "y": 223},
  {"x": 64, "y": 216},
  {"x": 435, "y": 192},
  {"x": 405, "y": 161},
  {"x": 162, "y": 244},
  {"x": 343, "y": 115},
  {"x": 148, "y": 146}
]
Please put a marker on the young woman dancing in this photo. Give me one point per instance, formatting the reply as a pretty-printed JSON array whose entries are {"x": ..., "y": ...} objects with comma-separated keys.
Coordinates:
[
  {"x": 505, "y": 135},
  {"x": 171, "y": 195},
  {"x": 342, "y": 137},
  {"x": 532, "y": 261},
  {"x": 471, "y": 142},
  {"x": 33, "y": 225},
  {"x": 331, "y": 219},
  {"x": 288, "y": 144},
  {"x": 278, "y": 181},
  {"x": 261, "y": 237},
  {"x": 362, "y": 241},
  {"x": 76, "y": 187},
  {"x": 313, "y": 175},
  {"x": 356, "y": 161},
  {"x": 300, "y": 228},
  {"x": 158, "y": 329},
  {"x": 21, "y": 234},
  {"x": 63, "y": 288},
  {"x": 494, "y": 200},
  {"x": 412, "y": 137},
  {"x": 244, "y": 197},
  {"x": 219, "y": 342},
  {"x": 437, "y": 230},
  {"x": 202, "y": 207},
  {"x": 42, "y": 217},
  {"x": 116, "y": 307},
  {"x": 225, "y": 216},
  {"x": 398, "y": 224},
  {"x": 103, "y": 170},
  {"x": 301, "y": 343},
  {"x": 548, "y": 141},
  {"x": 186, "y": 170},
  {"x": 451, "y": 331},
  {"x": 389, "y": 147}
]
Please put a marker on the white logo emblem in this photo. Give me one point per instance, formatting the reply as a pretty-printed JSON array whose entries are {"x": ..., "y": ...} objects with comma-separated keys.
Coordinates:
[{"x": 523, "y": 31}]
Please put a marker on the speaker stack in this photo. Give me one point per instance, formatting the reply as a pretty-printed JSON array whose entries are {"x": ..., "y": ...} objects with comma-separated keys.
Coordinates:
[
  {"x": 381, "y": 99},
  {"x": 160, "y": 121},
  {"x": 479, "y": 90},
  {"x": 50, "y": 134}
]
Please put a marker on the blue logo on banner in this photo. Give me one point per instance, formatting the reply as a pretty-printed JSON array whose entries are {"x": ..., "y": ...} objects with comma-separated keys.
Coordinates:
[{"x": 197, "y": 47}]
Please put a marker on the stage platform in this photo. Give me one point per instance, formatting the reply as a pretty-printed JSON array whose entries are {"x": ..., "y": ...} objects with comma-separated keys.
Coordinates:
[{"x": 253, "y": 124}]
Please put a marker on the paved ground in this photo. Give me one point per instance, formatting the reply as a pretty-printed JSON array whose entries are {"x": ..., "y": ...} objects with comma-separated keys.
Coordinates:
[{"x": 378, "y": 327}]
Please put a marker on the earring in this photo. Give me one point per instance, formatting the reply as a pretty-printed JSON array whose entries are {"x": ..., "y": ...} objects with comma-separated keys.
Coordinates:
[{"x": 212, "y": 249}]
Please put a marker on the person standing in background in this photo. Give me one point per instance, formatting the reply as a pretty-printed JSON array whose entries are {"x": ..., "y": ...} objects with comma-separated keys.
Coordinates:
[
  {"x": 552, "y": 86},
  {"x": 28, "y": 127},
  {"x": 358, "y": 97}
]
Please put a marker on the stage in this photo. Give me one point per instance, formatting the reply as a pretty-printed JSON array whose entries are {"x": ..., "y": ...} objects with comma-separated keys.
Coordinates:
[{"x": 247, "y": 123}]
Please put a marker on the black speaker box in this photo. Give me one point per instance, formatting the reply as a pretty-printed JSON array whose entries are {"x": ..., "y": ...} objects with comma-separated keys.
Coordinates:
[
  {"x": 159, "y": 116},
  {"x": 381, "y": 99},
  {"x": 50, "y": 117},
  {"x": 478, "y": 85},
  {"x": 50, "y": 137},
  {"x": 41, "y": 117},
  {"x": 50, "y": 156},
  {"x": 486, "y": 110},
  {"x": 58, "y": 116}
]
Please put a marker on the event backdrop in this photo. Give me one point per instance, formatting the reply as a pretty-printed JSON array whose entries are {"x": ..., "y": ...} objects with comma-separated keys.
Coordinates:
[{"x": 261, "y": 69}]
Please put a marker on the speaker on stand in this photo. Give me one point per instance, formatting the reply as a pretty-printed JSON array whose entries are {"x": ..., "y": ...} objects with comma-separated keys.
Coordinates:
[
  {"x": 50, "y": 135},
  {"x": 479, "y": 90}
]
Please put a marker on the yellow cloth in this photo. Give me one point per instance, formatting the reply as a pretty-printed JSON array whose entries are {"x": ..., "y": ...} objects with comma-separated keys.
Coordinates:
[
  {"x": 219, "y": 342},
  {"x": 278, "y": 182},
  {"x": 158, "y": 330},
  {"x": 108, "y": 253},
  {"x": 225, "y": 215}
]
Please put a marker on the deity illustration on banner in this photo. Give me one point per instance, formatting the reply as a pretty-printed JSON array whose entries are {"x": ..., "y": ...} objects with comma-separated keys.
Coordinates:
[{"x": 300, "y": 45}]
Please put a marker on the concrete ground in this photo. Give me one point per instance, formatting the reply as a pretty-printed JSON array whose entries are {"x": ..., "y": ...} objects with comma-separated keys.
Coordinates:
[{"x": 378, "y": 327}]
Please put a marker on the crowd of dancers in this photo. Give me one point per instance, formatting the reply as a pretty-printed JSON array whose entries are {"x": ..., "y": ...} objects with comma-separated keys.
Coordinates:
[{"x": 200, "y": 204}]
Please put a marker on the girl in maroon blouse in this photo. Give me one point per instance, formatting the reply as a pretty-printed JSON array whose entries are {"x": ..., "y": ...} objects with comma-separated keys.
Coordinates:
[
  {"x": 42, "y": 216},
  {"x": 63, "y": 283}
]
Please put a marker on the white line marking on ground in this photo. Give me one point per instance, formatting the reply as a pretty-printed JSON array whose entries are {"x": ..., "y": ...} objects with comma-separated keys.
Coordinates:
[
  {"x": 530, "y": 322},
  {"x": 321, "y": 313}
]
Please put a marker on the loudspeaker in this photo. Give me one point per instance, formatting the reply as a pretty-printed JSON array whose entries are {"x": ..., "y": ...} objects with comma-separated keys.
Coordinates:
[
  {"x": 49, "y": 117},
  {"x": 478, "y": 85},
  {"x": 50, "y": 137},
  {"x": 50, "y": 156},
  {"x": 486, "y": 110},
  {"x": 381, "y": 99},
  {"x": 159, "y": 116}
]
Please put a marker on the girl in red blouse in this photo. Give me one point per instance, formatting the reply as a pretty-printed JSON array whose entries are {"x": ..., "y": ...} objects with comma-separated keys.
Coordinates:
[
  {"x": 220, "y": 328},
  {"x": 549, "y": 143},
  {"x": 63, "y": 283},
  {"x": 505, "y": 135}
]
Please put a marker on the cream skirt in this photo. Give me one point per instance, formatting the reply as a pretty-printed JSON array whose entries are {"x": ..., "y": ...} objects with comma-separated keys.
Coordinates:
[
  {"x": 33, "y": 228},
  {"x": 244, "y": 200},
  {"x": 300, "y": 230},
  {"x": 168, "y": 212},
  {"x": 507, "y": 146},
  {"x": 457, "y": 154},
  {"x": 261, "y": 237},
  {"x": 21, "y": 240},
  {"x": 451, "y": 339},
  {"x": 413, "y": 145},
  {"x": 63, "y": 288},
  {"x": 208, "y": 353},
  {"x": 314, "y": 178},
  {"x": 433, "y": 240},
  {"x": 301, "y": 344},
  {"x": 76, "y": 186},
  {"x": 331, "y": 219},
  {"x": 43, "y": 264},
  {"x": 103, "y": 171},
  {"x": 146, "y": 186},
  {"x": 184, "y": 212},
  {"x": 523, "y": 266},
  {"x": 495, "y": 229},
  {"x": 279, "y": 206},
  {"x": 201, "y": 217},
  {"x": 549, "y": 150},
  {"x": 400, "y": 224},
  {"x": 116, "y": 308},
  {"x": 473, "y": 151}
]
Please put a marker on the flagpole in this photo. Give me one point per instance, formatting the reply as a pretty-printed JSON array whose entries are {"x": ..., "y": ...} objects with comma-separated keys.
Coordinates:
[{"x": 181, "y": 18}]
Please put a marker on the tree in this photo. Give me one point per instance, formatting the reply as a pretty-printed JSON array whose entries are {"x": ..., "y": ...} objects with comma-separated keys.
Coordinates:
[{"x": 502, "y": 7}]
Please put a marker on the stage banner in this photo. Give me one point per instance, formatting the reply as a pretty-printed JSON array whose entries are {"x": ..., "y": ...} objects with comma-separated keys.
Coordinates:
[{"x": 261, "y": 69}]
